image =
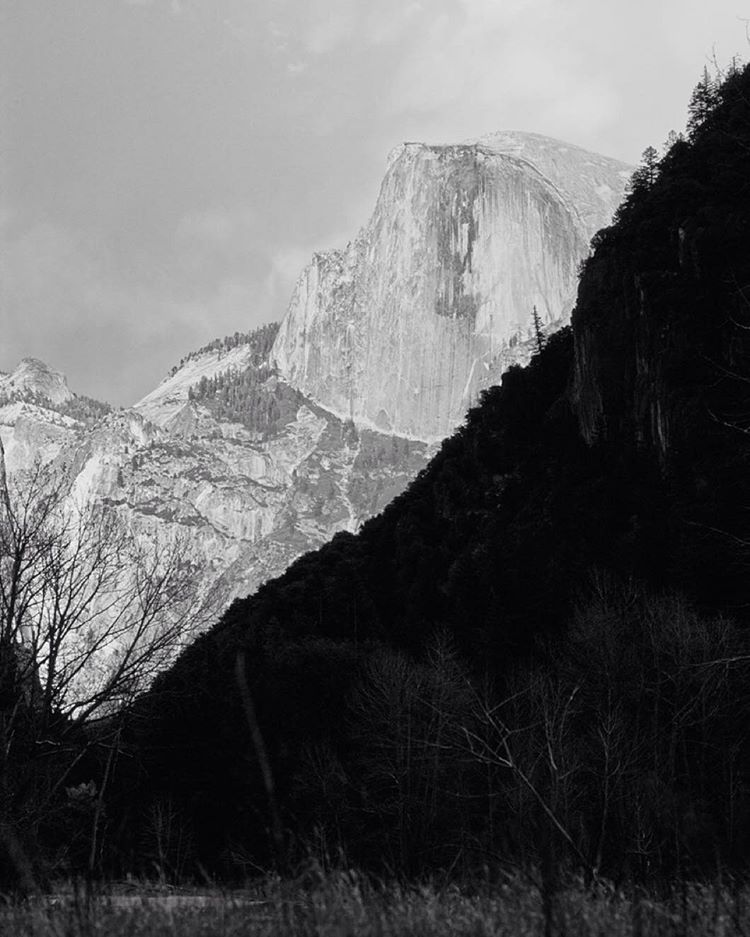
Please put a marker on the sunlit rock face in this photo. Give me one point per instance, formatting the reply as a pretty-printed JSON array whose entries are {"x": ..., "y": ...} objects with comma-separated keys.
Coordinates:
[
  {"x": 33, "y": 422},
  {"x": 261, "y": 447},
  {"x": 31, "y": 432},
  {"x": 33, "y": 378},
  {"x": 249, "y": 491},
  {"x": 243, "y": 494},
  {"x": 433, "y": 300}
]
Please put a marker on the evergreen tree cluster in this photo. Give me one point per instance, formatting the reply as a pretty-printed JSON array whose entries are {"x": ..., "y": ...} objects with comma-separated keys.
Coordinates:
[
  {"x": 705, "y": 102},
  {"x": 252, "y": 397},
  {"x": 80, "y": 407},
  {"x": 261, "y": 340},
  {"x": 84, "y": 409}
]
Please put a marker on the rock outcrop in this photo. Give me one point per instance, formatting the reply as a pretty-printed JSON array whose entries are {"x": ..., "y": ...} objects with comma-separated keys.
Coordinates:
[
  {"x": 33, "y": 378},
  {"x": 431, "y": 301},
  {"x": 34, "y": 423},
  {"x": 260, "y": 447},
  {"x": 242, "y": 502}
]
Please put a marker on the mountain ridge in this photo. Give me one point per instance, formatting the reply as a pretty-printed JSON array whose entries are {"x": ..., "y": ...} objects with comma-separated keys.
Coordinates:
[
  {"x": 246, "y": 467},
  {"x": 614, "y": 464},
  {"x": 430, "y": 299},
  {"x": 32, "y": 377}
]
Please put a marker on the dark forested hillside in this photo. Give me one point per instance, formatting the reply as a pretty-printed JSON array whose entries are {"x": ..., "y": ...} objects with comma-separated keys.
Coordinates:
[{"x": 620, "y": 455}]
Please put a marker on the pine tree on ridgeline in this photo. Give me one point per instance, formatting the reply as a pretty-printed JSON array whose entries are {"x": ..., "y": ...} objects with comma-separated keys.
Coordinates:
[
  {"x": 703, "y": 101},
  {"x": 539, "y": 335},
  {"x": 648, "y": 171}
]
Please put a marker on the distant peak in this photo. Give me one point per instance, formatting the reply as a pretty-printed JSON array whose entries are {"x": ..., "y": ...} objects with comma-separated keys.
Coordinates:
[
  {"x": 30, "y": 364},
  {"x": 33, "y": 377}
]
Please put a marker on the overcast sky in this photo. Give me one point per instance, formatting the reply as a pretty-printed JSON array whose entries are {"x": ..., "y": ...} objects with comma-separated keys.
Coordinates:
[{"x": 168, "y": 166}]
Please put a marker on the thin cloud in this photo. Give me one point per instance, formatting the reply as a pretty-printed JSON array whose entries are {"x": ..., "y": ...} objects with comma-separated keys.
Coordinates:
[
  {"x": 386, "y": 23},
  {"x": 176, "y": 6},
  {"x": 115, "y": 341},
  {"x": 218, "y": 228},
  {"x": 279, "y": 36},
  {"x": 329, "y": 33},
  {"x": 297, "y": 68},
  {"x": 189, "y": 156}
]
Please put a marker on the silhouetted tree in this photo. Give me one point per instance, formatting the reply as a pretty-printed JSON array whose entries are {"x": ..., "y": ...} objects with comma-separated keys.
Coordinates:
[
  {"x": 87, "y": 617},
  {"x": 646, "y": 174},
  {"x": 703, "y": 101},
  {"x": 539, "y": 336}
]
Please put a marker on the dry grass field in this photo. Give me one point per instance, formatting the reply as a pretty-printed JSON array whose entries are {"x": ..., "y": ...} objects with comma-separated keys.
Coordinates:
[{"x": 343, "y": 904}]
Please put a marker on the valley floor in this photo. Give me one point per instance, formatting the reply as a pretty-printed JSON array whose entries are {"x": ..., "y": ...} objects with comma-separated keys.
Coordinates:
[{"x": 345, "y": 905}]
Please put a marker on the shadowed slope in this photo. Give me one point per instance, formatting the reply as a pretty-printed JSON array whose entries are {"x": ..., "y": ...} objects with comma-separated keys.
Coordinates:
[{"x": 624, "y": 445}]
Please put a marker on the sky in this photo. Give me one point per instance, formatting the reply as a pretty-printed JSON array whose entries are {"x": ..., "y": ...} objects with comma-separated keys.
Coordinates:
[{"x": 167, "y": 167}]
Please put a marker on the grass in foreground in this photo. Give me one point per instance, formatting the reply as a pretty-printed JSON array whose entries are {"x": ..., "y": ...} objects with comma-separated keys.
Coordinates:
[{"x": 346, "y": 905}]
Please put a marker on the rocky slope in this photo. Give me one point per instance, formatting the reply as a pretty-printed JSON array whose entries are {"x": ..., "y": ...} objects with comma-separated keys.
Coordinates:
[
  {"x": 33, "y": 421},
  {"x": 259, "y": 447},
  {"x": 546, "y": 542},
  {"x": 242, "y": 502},
  {"x": 429, "y": 303},
  {"x": 33, "y": 377}
]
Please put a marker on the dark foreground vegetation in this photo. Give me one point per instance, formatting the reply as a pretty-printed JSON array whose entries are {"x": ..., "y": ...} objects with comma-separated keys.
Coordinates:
[
  {"x": 535, "y": 659},
  {"x": 538, "y": 653},
  {"x": 348, "y": 904}
]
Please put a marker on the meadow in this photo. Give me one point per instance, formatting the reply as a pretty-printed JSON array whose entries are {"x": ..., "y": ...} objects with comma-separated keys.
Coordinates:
[{"x": 336, "y": 905}]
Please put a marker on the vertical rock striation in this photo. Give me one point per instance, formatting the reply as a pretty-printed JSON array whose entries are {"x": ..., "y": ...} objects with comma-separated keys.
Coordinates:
[
  {"x": 430, "y": 303},
  {"x": 260, "y": 447}
]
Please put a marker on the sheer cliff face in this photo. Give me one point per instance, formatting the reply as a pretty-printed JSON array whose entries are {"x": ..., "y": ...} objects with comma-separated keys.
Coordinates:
[{"x": 430, "y": 303}]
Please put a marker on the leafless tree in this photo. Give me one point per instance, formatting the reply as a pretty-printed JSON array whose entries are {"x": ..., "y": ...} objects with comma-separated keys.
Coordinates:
[
  {"x": 409, "y": 715},
  {"x": 88, "y": 615},
  {"x": 624, "y": 740}
]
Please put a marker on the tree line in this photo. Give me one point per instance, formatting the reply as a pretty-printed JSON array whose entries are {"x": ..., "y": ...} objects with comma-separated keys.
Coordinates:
[{"x": 261, "y": 341}]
